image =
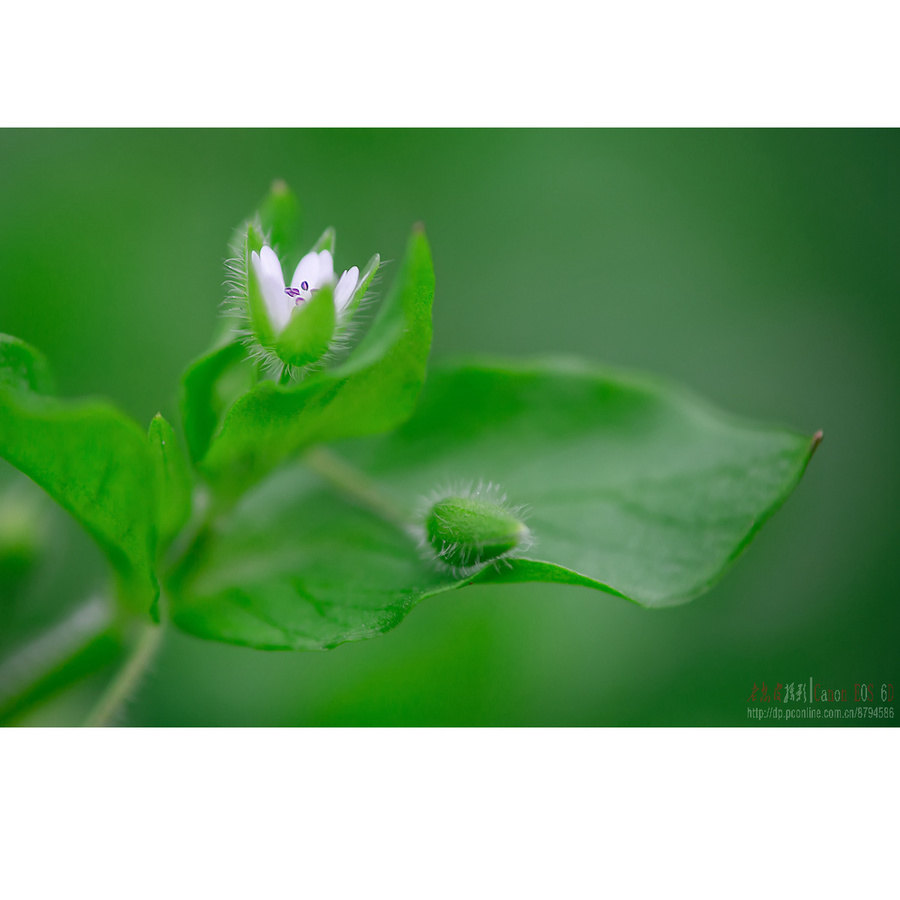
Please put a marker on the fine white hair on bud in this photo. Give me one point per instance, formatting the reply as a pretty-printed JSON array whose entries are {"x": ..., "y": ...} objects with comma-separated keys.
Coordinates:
[{"x": 465, "y": 527}]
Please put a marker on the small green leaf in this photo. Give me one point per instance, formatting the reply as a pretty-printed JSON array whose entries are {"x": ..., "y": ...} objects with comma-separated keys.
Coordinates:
[
  {"x": 93, "y": 460},
  {"x": 173, "y": 481},
  {"x": 307, "y": 335},
  {"x": 373, "y": 391},
  {"x": 325, "y": 242},
  {"x": 636, "y": 488},
  {"x": 208, "y": 388},
  {"x": 279, "y": 214}
]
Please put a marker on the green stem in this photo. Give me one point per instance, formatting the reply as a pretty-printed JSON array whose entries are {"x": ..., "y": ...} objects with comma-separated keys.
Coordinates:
[
  {"x": 356, "y": 486},
  {"x": 126, "y": 681}
]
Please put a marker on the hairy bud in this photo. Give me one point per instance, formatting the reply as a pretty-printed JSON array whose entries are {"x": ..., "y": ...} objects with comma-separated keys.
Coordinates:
[{"x": 468, "y": 528}]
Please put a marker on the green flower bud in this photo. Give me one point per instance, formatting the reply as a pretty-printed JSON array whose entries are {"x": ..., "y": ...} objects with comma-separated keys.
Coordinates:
[{"x": 474, "y": 527}]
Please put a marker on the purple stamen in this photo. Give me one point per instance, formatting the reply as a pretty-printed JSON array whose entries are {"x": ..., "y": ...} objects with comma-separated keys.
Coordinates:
[
  {"x": 294, "y": 294},
  {"x": 304, "y": 285}
]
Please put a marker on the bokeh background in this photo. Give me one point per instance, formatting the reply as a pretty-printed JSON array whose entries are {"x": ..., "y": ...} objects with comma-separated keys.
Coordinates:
[{"x": 759, "y": 267}]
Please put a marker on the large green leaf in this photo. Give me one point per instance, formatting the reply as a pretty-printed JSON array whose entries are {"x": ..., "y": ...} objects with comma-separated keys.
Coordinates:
[
  {"x": 635, "y": 487},
  {"x": 93, "y": 460},
  {"x": 300, "y": 568},
  {"x": 373, "y": 391},
  {"x": 631, "y": 481}
]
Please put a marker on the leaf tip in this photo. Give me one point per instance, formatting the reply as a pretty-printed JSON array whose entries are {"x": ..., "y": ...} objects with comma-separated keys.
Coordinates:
[
  {"x": 816, "y": 440},
  {"x": 158, "y": 426}
]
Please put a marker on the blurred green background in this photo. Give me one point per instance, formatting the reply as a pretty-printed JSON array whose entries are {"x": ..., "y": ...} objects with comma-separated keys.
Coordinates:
[{"x": 758, "y": 267}]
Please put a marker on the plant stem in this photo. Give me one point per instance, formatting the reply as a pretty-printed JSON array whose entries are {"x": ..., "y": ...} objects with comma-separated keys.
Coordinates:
[
  {"x": 356, "y": 486},
  {"x": 128, "y": 677}
]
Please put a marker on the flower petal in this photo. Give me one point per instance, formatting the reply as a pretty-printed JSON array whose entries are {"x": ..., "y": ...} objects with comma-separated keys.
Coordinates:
[
  {"x": 306, "y": 270},
  {"x": 343, "y": 293},
  {"x": 325, "y": 274},
  {"x": 271, "y": 286},
  {"x": 271, "y": 265}
]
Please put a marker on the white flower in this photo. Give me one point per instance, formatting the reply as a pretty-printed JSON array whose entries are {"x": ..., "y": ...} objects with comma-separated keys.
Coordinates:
[{"x": 314, "y": 271}]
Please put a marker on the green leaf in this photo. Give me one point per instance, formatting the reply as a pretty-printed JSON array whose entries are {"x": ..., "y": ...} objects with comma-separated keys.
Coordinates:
[
  {"x": 208, "y": 388},
  {"x": 635, "y": 487},
  {"x": 325, "y": 242},
  {"x": 279, "y": 214},
  {"x": 307, "y": 335},
  {"x": 373, "y": 391},
  {"x": 299, "y": 568},
  {"x": 173, "y": 480},
  {"x": 93, "y": 460},
  {"x": 635, "y": 484}
]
